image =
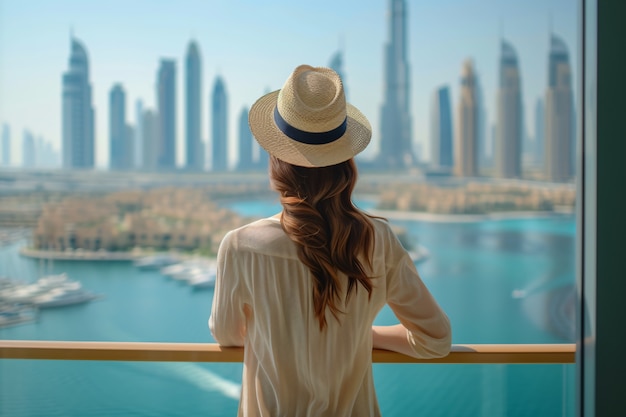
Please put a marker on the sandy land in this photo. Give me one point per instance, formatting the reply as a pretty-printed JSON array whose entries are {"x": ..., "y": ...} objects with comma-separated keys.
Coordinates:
[{"x": 462, "y": 218}]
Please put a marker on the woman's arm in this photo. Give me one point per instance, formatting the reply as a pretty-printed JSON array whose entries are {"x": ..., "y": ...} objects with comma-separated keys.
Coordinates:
[
  {"x": 392, "y": 338},
  {"x": 397, "y": 339}
]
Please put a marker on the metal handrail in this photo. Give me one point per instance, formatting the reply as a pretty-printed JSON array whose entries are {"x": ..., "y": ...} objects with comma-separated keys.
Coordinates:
[{"x": 211, "y": 352}]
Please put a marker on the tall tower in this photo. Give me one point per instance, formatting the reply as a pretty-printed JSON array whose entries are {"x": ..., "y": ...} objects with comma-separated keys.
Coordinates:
[
  {"x": 441, "y": 128},
  {"x": 466, "y": 141},
  {"x": 150, "y": 140},
  {"x": 508, "y": 155},
  {"x": 6, "y": 145},
  {"x": 78, "y": 113},
  {"x": 119, "y": 158},
  {"x": 29, "y": 153},
  {"x": 193, "y": 109},
  {"x": 219, "y": 121},
  {"x": 138, "y": 140},
  {"x": 559, "y": 114},
  {"x": 245, "y": 143},
  {"x": 336, "y": 64},
  {"x": 540, "y": 132},
  {"x": 396, "y": 144},
  {"x": 166, "y": 99}
]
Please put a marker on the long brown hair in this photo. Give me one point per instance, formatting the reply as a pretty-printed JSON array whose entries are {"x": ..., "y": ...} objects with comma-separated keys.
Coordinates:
[{"x": 331, "y": 234}]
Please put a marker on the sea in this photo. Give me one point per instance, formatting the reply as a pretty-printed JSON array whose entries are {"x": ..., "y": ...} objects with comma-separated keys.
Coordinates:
[{"x": 505, "y": 280}]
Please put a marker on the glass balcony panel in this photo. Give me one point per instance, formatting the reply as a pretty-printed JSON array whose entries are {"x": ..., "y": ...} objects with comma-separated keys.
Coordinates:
[{"x": 103, "y": 388}]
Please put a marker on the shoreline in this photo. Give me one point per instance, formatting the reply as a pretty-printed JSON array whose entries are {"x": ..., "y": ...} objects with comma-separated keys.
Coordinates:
[
  {"x": 80, "y": 255},
  {"x": 467, "y": 218}
]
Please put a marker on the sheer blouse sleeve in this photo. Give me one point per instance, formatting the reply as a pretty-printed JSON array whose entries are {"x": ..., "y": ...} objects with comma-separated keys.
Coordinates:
[
  {"x": 428, "y": 327},
  {"x": 227, "y": 321}
]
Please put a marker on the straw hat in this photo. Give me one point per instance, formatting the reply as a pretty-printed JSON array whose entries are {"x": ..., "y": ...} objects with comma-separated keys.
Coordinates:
[{"x": 308, "y": 122}]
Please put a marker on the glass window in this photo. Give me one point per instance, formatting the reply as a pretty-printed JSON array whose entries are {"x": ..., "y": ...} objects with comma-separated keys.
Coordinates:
[{"x": 125, "y": 156}]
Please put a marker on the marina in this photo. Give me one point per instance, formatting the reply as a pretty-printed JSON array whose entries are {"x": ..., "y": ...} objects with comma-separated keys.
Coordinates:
[
  {"x": 500, "y": 281},
  {"x": 20, "y": 301}
]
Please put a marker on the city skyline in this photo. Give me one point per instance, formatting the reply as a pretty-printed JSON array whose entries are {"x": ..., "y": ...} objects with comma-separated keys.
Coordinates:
[{"x": 440, "y": 38}]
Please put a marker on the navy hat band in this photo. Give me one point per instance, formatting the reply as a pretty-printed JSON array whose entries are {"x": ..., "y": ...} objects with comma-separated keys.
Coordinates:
[{"x": 310, "y": 138}]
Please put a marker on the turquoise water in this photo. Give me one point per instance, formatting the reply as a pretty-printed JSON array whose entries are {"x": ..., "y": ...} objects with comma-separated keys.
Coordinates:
[{"x": 473, "y": 272}]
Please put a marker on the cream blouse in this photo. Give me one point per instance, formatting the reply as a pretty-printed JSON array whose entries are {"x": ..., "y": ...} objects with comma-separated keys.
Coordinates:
[{"x": 263, "y": 302}]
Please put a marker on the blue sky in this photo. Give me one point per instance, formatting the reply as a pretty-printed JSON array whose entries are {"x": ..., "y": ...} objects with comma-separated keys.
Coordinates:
[{"x": 254, "y": 45}]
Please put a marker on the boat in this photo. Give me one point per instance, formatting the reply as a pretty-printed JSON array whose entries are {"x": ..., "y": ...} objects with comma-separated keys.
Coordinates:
[
  {"x": 19, "y": 292},
  {"x": 203, "y": 280},
  {"x": 171, "y": 270},
  {"x": 188, "y": 269},
  {"x": 419, "y": 254},
  {"x": 63, "y": 297},
  {"x": 48, "y": 291},
  {"x": 155, "y": 261},
  {"x": 14, "y": 314}
]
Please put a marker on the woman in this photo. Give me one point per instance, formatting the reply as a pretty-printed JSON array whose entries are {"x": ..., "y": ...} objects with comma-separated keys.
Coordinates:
[{"x": 300, "y": 290}]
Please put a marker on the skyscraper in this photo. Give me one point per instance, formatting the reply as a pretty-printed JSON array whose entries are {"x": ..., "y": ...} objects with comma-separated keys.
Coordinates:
[
  {"x": 396, "y": 144},
  {"x": 6, "y": 145},
  {"x": 219, "y": 123},
  {"x": 485, "y": 146},
  {"x": 466, "y": 140},
  {"x": 118, "y": 156},
  {"x": 138, "y": 140},
  {"x": 78, "y": 114},
  {"x": 559, "y": 113},
  {"x": 129, "y": 146},
  {"x": 245, "y": 162},
  {"x": 150, "y": 140},
  {"x": 166, "y": 99},
  {"x": 336, "y": 64},
  {"x": 193, "y": 109},
  {"x": 441, "y": 128},
  {"x": 29, "y": 154},
  {"x": 540, "y": 131},
  {"x": 508, "y": 155}
]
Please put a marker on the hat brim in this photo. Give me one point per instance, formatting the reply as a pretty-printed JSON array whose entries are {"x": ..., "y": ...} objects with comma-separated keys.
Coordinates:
[{"x": 276, "y": 143}]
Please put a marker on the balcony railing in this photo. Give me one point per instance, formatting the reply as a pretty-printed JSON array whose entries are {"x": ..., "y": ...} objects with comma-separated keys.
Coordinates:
[{"x": 210, "y": 352}]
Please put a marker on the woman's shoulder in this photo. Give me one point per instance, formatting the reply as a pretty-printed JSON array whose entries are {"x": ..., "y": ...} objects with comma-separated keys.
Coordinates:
[
  {"x": 381, "y": 225},
  {"x": 257, "y": 236}
]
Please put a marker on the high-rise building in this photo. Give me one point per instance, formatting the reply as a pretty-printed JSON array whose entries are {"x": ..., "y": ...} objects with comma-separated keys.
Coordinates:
[
  {"x": 138, "y": 140},
  {"x": 118, "y": 142},
  {"x": 540, "y": 131},
  {"x": 129, "y": 134},
  {"x": 29, "y": 153},
  {"x": 45, "y": 154},
  {"x": 441, "y": 128},
  {"x": 246, "y": 162},
  {"x": 193, "y": 109},
  {"x": 219, "y": 123},
  {"x": 466, "y": 139},
  {"x": 150, "y": 140},
  {"x": 166, "y": 99},
  {"x": 508, "y": 146},
  {"x": 396, "y": 143},
  {"x": 559, "y": 114},
  {"x": 336, "y": 64},
  {"x": 78, "y": 113},
  {"x": 6, "y": 145},
  {"x": 485, "y": 146}
]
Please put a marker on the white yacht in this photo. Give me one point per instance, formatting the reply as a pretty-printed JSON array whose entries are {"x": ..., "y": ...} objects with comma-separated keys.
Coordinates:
[
  {"x": 12, "y": 314},
  {"x": 155, "y": 261},
  {"x": 63, "y": 296},
  {"x": 203, "y": 280}
]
